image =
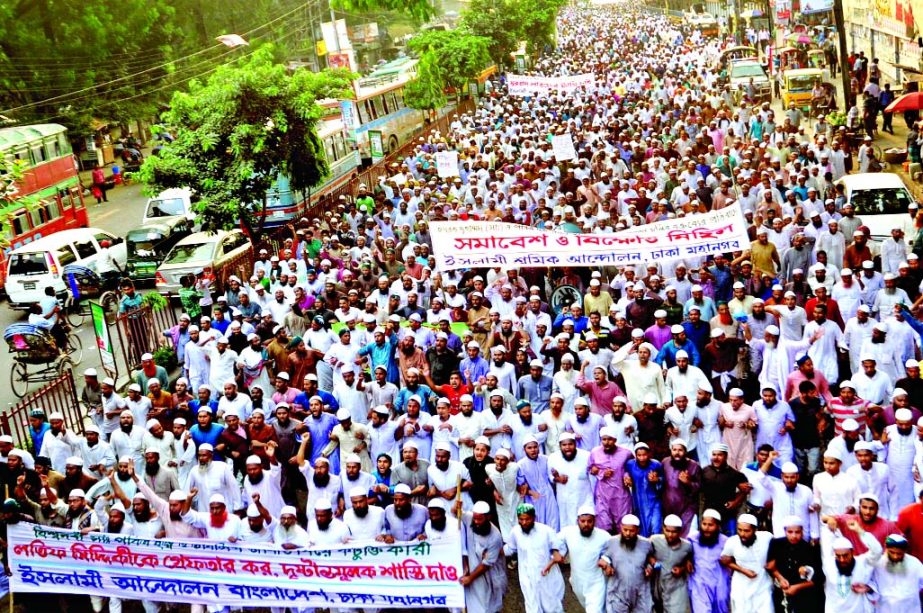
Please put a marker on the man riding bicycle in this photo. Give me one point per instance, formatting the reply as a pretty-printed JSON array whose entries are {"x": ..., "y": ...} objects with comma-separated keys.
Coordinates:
[{"x": 106, "y": 266}]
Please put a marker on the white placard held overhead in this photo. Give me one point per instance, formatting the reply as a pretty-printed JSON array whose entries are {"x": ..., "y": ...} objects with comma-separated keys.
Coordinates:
[
  {"x": 447, "y": 163},
  {"x": 563, "y": 147}
]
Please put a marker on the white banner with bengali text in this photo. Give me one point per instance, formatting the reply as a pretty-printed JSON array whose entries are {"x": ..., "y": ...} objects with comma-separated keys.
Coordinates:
[
  {"x": 366, "y": 574},
  {"x": 447, "y": 164},
  {"x": 479, "y": 244},
  {"x": 562, "y": 145},
  {"x": 524, "y": 85}
]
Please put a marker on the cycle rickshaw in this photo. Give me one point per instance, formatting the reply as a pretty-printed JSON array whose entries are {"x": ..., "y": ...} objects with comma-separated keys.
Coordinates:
[
  {"x": 83, "y": 285},
  {"x": 36, "y": 356}
]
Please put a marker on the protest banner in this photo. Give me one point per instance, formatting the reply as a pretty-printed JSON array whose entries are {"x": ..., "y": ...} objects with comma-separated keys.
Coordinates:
[
  {"x": 476, "y": 244},
  {"x": 447, "y": 164},
  {"x": 563, "y": 147},
  {"x": 522, "y": 85},
  {"x": 361, "y": 574}
]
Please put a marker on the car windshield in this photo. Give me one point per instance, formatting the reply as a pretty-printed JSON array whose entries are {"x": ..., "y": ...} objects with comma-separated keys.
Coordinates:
[
  {"x": 143, "y": 246},
  {"x": 26, "y": 264},
  {"x": 746, "y": 70},
  {"x": 166, "y": 207},
  {"x": 193, "y": 252},
  {"x": 888, "y": 201},
  {"x": 801, "y": 84}
]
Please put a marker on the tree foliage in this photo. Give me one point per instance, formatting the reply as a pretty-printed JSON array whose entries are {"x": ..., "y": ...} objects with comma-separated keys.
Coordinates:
[
  {"x": 458, "y": 57},
  {"x": 420, "y": 10},
  {"x": 427, "y": 91},
  {"x": 236, "y": 132},
  {"x": 507, "y": 22}
]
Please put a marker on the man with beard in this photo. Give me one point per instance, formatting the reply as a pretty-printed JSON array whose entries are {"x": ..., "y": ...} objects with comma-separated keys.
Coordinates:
[
  {"x": 212, "y": 477},
  {"x": 161, "y": 439},
  {"x": 709, "y": 583},
  {"x": 568, "y": 468},
  {"x": 539, "y": 549},
  {"x": 219, "y": 525},
  {"x": 644, "y": 477},
  {"x": 365, "y": 522},
  {"x": 901, "y": 441},
  {"x": 159, "y": 478},
  {"x": 683, "y": 379},
  {"x": 745, "y": 554},
  {"x": 535, "y": 484},
  {"x": 324, "y": 528},
  {"x": 287, "y": 534},
  {"x": 723, "y": 487},
  {"x": 721, "y": 355},
  {"x": 899, "y": 577},
  {"x": 286, "y": 429},
  {"x": 114, "y": 523},
  {"x": 788, "y": 497},
  {"x": 404, "y": 520},
  {"x": 74, "y": 478},
  {"x": 681, "y": 482},
  {"x": 321, "y": 484},
  {"x": 59, "y": 443},
  {"x": 869, "y": 518},
  {"x": 484, "y": 578},
  {"x": 584, "y": 544},
  {"x": 320, "y": 425},
  {"x": 127, "y": 441},
  {"x": 265, "y": 484},
  {"x": 887, "y": 354},
  {"x": 444, "y": 475},
  {"x": 912, "y": 383},
  {"x": 98, "y": 457},
  {"x": 627, "y": 561},
  {"x": 796, "y": 567},
  {"x": 352, "y": 477},
  {"x": 608, "y": 464},
  {"x": 80, "y": 516},
  {"x": 15, "y": 473},
  {"x": 674, "y": 555},
  {"x": 412, "y": 472},
  {"x": 351, "y": 438},
  {"x": 259, "y": 527},
  {"x": 437, "y": 527},
  {"x": 850, "y": 576}
]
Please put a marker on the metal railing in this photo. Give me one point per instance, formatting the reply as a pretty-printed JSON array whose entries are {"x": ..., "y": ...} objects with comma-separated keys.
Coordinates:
[
  {"x": 141, "y": 331},
  {"x": 58, "y": 396}
]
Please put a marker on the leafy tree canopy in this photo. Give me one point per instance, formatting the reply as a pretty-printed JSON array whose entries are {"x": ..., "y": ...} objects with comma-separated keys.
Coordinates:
[
  {"x": 236, "y": 132},
  {"x": 460, "y": 57},
  {"x": 427, "y": 91}
]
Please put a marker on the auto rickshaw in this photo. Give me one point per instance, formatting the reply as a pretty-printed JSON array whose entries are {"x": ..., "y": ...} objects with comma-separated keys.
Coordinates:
[
  {"x": 797, "y": 86},
  {"x": 734, "y": 53},
  {"x": 790, "y": 58},
  {"x": 148, "y": 245}
]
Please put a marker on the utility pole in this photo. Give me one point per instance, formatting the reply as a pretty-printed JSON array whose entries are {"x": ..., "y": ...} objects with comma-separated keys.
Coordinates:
[{"x": 841, "y": 36}]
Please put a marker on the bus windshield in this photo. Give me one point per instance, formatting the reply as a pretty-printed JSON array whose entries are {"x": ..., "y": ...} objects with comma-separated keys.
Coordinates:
[{"x": 887, "y": 201}]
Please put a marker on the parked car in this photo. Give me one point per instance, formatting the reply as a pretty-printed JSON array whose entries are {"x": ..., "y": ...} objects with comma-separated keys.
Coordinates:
[
  {"x": 176, "y": 202},
  {"x": 739, "y": 74},
  {"x": 211, "y": 252},
  {"x": 149, "y": 244},
  {"x": 40, "y": 264},
  {"x": 881, "y": 200}
]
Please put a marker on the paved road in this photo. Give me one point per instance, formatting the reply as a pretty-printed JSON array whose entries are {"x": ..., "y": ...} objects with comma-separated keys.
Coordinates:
[{"x": 122, "y": 213}]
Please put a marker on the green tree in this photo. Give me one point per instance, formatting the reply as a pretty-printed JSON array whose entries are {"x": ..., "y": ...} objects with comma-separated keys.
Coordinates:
[
  {"x": 420, "y": 10},
  {"x": 500, "y": 22},
  {"x": 459, "y": 57},
  {"x": 427, "y": 91},
  {"x": 235, "y": 133}
]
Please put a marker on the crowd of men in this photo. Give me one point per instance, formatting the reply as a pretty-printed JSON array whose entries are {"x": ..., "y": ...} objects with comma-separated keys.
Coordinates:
[{"x": 740, "y": 432}]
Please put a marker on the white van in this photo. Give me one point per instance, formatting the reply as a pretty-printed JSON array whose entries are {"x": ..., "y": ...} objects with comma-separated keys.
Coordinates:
[
  {"x": 881, "y": 201},
  {"x": 39, "y": 264},
  {"x": 174, "y": 202}
]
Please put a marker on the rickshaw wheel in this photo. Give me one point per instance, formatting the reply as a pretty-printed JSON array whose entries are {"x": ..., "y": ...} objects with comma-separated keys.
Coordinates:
[
  {"x": 19, "y": 379},
  {"x": 65, "y": 364},
  {"x": 75, "y": 315},
  {"x": 110, "y": 303},
  {"x": 74, "y": 348}
]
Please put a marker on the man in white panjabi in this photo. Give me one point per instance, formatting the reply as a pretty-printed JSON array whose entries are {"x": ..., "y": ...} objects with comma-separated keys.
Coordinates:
[
  {"x": 583, "y": 543},
  {"x": 745, "y": 555}
]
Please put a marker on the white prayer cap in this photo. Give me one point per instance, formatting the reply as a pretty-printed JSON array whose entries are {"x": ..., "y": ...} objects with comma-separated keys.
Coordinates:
[
  {"x": 841, "y": 543},
  {"x": 672, "y": 521},
  {"x": 253, "y": 511},
  {"x": 206, "y": 447},
  {"x": 881, "y": 326},
  {"x": 790, "y": 468},
  {"x": 77, "y": 493},
  {"x": 772, "y": 329},
  {"x": 580, "y": 401},
  {"x": 353, "y": 458},
  {"x": 440, "y": 446},
  {"x": 903, "y": 415},
  {"x": 850, "y": 425},
  {"x": 134, "y": 387},
  {"x": 650, "y": 399},
  {"x": 127, "y": 413},
  {"x": 867, "y": 357},
  {"x": 254, "y": 459},
  {"x": 529, "y": 439},
  {"x": 410, "y": 445},
  {"x": 607, "y": 432},
  {"x": 566, "y": 436},
  {"x": 864, "y": 308},
  {"x": 436, "y": 503},
  {"x": 139, "y": 496},
  {"x": 712, "y": 514},
  {"x": 402, "y": 488},
  {"x": 217, "y": 499},
  {"x": 833, "y": 454},
  {"x": 152, "y": 450},
  {"x": 792, "y": 521},
  {"x": 706, "y": 386},
  {"x": 73, "y": 461},
  {"x": 6, "y": 438},
  {"x": 679, "y": 441},
  {"x": 747, "y": 518},
  {"x": 660, "y": 313},
  {"x": 586, "y": 509},
  {"x": 290, "y": 510},
  {"x": 482, "y": 440},
  {"x": 90, "y": 372},
  {"x": 676, "y": 329},
  {"x": 177, "y": 496},
  {"x": 717, "y": 333},
  {"x": 637, "y": 333},
  {"x": 862, "y": 446},
  {"x": 323, "y": 505},
  {"x": 358, "y": 492},
  {"x": 851, "y": 386},
  {"x": 682, "y": 354},
  {"x": 92, "y": 428},
  {"x": 117, "y": 506},
  {"x": 481, "y": 508},
  {"x": 321, "y": 460},
  {"x": 911, "y": 363},
  {"x": 736, "y": 392},
  {"x": 179, "y": 421},
  {"x": 869, "y": 496},
  {"x": 343, "y": 415},
  {"x": 631, "y": 520},
  {"x": 720, "y": 447}
]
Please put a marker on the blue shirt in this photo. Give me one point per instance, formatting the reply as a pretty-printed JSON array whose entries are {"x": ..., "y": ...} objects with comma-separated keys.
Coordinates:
[
  {"x": 538, "y": 393},
  {"x": 666, "y": 357},
  {"x": 210, "y": 436},
  {"x": 724, "y": 282},
  {"x": 383, "y": 355},
  {"x": 422, "y": 390},
  {"x": 325, "y": 397}
]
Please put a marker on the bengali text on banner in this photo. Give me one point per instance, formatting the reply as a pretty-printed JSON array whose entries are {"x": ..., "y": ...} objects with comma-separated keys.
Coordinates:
[
  {"x": 523, "y": 85},
  {"x": 358, "y": 574},
  {"x": 478, "y": 244}
]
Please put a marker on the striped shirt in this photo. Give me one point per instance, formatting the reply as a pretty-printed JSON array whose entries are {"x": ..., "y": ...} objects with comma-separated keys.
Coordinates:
[{"x": 841, "y": 412}]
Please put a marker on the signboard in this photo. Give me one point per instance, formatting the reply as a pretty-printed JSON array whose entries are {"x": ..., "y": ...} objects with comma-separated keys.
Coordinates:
[
  {"x": 521, "y": 85},
  {"x": 816, "y": 6},
  {"x": 477, "y": 244},
  {"x": 369, "y": 574},
  {"x": 563, "y": 147},
  {"x": 339, "y": 60},
  {"x": 376, "y": 146},
  {"x": 335, "y": 37},
  {"x": 350, "y": 117},
  {"x": 447, "y": 163},
  {"x": 103, "y": 342}
]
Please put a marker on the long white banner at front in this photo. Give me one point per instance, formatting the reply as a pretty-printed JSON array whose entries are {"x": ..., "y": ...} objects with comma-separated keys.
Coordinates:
[
  {"x": 478, "y": 244},
  {"x": 524, "y": 85},
  {"x": 360, "y": 574}
]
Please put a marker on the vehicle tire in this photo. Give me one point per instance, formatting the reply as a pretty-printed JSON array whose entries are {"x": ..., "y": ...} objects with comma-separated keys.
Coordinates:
[
  {"x": 74, "y": 315},
  {"x": 75, "y": 348},
  {"x": 110, "y": 303},
  {"x": 65, "y": 364},
  {"x": 19, "y": 379},
  {"x": 392, "y": 144}
]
